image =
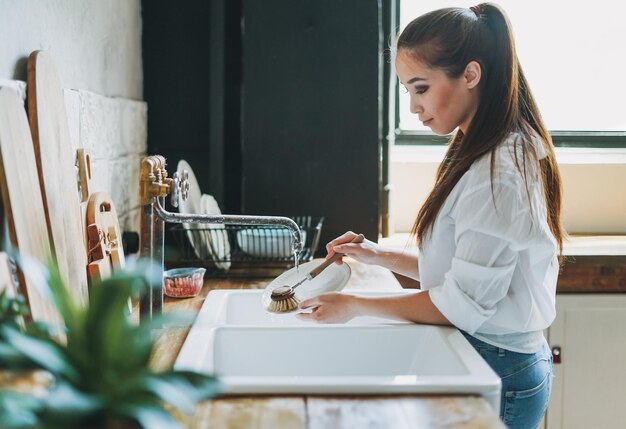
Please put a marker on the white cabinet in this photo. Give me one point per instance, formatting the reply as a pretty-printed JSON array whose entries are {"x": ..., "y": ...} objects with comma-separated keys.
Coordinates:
[{"x": 589, "y": 389}]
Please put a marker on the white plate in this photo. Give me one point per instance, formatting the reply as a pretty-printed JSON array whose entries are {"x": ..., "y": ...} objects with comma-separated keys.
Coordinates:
[
  {"x": 332, "y": 279},
  {"x": 218, "y": 243},
  {"x": 267, "y": 242},
  {"x": 198, "y": 239}
]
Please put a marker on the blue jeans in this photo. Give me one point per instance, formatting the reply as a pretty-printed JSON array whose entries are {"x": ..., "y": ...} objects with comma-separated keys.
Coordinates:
[{"x": 526, "y": 382}]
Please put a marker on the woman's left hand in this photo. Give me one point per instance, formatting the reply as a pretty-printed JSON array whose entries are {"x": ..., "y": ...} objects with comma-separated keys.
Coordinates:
[{"x": 330, "y": 308}]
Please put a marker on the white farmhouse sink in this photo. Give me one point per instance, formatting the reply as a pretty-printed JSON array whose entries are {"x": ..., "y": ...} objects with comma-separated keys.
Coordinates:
[
  {"x": 244, "y": 307},
  {"x": 255, "y": 352}
]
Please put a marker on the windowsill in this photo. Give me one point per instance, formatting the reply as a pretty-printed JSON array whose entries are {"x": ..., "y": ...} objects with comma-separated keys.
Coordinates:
[
  {"x": 575, "y": 245},
  {"x": 564, "y": 155}
]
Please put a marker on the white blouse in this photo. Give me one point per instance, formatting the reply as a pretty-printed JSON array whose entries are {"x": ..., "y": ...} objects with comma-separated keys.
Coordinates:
[{"x": 491, "y": 266}]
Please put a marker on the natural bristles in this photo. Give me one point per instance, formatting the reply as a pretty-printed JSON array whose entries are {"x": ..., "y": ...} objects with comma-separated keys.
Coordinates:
[{"x": 284, "y": 306}]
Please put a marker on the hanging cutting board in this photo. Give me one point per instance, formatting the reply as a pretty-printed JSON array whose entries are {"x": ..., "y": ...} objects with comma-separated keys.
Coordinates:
[
  {"x": 21, "y": 197},
  {"x": 105, "y": 239},
  {"x": 98, "y": 264},
  {"x": 57, "y": 173},
  {"x": 101, "y": 227},
  {"x": 103, "y": 243}
]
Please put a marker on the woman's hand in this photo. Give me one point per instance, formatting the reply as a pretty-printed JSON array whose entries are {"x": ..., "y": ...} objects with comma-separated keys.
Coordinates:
[
  {"x": 366, "y": 252},
  {"x": 330, "y": 308}
]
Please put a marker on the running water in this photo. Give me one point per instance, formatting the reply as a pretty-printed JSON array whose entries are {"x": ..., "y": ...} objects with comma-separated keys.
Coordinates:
[
  {"x": 296, "y": 256},
  {"x": 296, "y": 260}
]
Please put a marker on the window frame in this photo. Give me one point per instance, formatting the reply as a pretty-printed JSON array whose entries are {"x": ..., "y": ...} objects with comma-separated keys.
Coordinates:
[
  {"x": 560, "y": 138},
  {"x": 575, "y": 139}
]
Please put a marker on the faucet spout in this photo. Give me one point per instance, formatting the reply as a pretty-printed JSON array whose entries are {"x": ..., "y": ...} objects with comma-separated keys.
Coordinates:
[{"x": 232, "y": 219}]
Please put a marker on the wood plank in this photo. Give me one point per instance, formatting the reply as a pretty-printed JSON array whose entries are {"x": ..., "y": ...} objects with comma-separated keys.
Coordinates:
[
  {"x": 593, "y": 274},
  {"x": 252, "y": 412},
  {"x": 404, "y": 412},
  {"x": 21, "y": 197},
  {"x": 591, "y": 284},
  {"x": 319, "y": 412},
  {"x": 57, "y": 173}
]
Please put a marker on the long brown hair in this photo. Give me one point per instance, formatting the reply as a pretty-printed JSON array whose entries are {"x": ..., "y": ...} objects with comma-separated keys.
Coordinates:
[{"x": 448, "y": 39}]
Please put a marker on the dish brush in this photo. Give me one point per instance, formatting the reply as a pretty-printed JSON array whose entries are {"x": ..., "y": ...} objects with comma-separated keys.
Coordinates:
[
  {"x": 283, "y": 298},
  {"x": 283, "y": 304}
]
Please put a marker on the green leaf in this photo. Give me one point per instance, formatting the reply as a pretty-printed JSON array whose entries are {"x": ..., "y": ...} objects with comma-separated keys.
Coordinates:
[
  {"x": 106, "y": 322},
  {"x": 63, "y": 398},
  {"x": 18, "y": 410},
  {"x": 12, "y": 309},
  {"x": 35, "y": 272},
  {"x": 41, "y": 330},
  {"x": 11, "y": 358},
  {"x": 182, "y": 389},
  {"x": 48, "y": 282},
  {"x": 102, "y": 371},
  {"x": 63, "y": 299},
  {"x": 202, "y": 386},
  {"x": 176, "y": 392},
  {"x": 45, "y": 353},
  {"x": 8, "y": 352},
  {"x": 151, "y": 416}
]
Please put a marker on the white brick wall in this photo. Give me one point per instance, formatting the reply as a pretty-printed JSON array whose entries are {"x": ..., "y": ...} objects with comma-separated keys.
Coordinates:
[{"x": 114, "y": 131}]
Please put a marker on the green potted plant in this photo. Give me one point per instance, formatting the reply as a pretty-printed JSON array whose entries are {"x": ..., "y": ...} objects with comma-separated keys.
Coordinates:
[{"x": 100, "y": 374}]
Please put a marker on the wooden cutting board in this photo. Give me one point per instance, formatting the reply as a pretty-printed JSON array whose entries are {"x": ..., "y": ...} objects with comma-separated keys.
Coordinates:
[
  {"x": 21, "y": 197},
  {"x": 103, "y": 243},
  {"x": 104, "y": 236},
  {"x": 57, "y": 172}
]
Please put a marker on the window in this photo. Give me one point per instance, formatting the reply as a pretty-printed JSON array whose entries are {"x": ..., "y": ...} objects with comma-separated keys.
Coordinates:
[{"x": 573, "y": 55}]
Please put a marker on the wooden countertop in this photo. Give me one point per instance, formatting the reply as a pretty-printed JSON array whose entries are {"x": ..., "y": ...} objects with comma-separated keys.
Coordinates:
[{"x": 314, "y": 411}]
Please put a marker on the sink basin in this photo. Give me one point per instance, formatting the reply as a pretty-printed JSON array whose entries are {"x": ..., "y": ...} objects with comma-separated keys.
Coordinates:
[
  {"x": 244, "y": 307},
  {"x": 256, "y": 352}
]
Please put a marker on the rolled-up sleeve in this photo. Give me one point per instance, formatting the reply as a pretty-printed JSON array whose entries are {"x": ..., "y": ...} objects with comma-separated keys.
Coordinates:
[{"x": 487, "y": 240}]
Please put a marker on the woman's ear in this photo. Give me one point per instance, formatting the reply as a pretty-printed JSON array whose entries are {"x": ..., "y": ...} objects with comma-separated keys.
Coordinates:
[{"x": 472, "y": 74}]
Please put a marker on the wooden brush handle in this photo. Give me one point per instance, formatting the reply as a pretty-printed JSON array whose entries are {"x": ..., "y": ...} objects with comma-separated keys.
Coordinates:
[{"x": 321, "y": 267}]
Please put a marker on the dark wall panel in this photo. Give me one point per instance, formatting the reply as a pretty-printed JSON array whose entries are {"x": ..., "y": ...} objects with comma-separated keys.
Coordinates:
[
  {"x": 311, "y": 111},
  {"x": 192, "y": 81},
  {"x": 176, "y": 85}
]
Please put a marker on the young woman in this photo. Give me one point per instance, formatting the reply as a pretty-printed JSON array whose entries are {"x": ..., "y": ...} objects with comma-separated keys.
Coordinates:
[{"x": 489, "y": 233}]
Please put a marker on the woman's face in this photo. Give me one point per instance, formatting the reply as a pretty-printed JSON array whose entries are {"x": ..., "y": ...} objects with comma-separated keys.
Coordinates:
[{"x": 442, "y": 103}]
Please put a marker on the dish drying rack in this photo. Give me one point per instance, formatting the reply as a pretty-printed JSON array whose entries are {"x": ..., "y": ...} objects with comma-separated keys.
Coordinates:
[
  {"x": 243, "y": 250},
  {"x": 154, "y": 186}
]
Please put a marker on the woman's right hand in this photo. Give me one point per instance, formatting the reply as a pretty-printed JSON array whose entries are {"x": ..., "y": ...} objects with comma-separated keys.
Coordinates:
[{"x": 366, "y": 252}]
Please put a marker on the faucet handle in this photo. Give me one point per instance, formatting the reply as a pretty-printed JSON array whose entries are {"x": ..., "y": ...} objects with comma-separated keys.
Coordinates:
[
  {"x": 184, "y": 185},
  {"x": 180, "y": 187}
]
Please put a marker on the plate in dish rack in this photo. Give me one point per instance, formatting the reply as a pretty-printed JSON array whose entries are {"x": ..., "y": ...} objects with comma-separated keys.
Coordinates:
[
  {"x": 268, "y": 242},
  {"x": 197, "y": 237},
  {"x": 218, "y": 243}
]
